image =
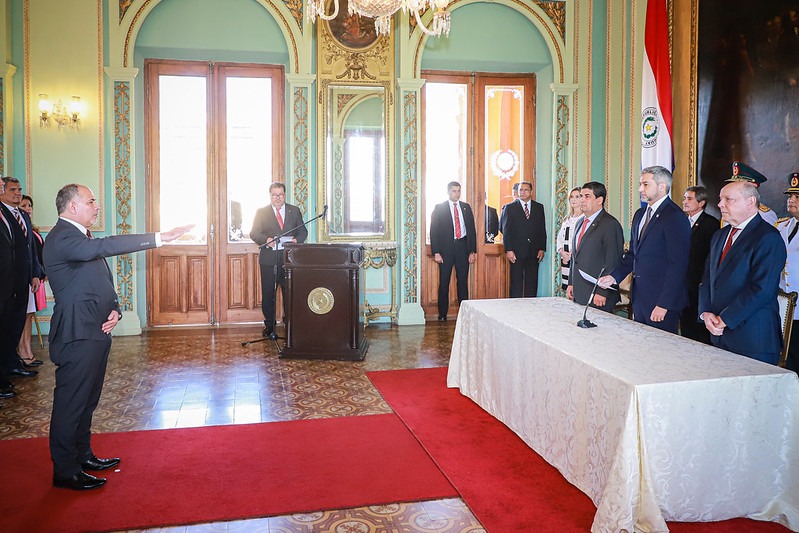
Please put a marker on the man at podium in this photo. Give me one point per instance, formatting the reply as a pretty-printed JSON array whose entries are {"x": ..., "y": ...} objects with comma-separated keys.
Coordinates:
[{"x": 273, "y": 226}]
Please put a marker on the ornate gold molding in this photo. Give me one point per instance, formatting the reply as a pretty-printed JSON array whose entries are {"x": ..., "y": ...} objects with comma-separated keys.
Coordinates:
[
  {"x": 295, "y": 7},
  {"x": 556, "y": 11}
]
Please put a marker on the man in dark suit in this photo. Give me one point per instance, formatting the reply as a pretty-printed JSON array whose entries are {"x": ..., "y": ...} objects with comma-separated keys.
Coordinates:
[
  {"x": 25, "y": 275},
  {"x": 86, "y": 310},
  {"x": 524, "y": 235},
  {"x": 453, "y": 241},
  {"x": 738, "y": 294},
  {"x": 6, "y": 287},
  {"x": 703, "y": 227},
  {"x": 491, "y": 224},
  {"x": 658, "y": 257},
  {"x": 269, "y": 222},
  {"x": 598, "y": 244}
]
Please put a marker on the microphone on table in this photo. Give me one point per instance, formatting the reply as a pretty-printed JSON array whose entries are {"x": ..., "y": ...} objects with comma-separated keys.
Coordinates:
[{"x": 585, "y": 323}]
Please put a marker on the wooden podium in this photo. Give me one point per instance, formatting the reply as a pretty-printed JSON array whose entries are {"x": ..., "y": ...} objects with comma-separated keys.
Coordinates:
[{"x": 324, "y": 302}]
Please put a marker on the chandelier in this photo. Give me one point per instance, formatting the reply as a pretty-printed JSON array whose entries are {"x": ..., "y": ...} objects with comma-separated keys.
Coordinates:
[{"x": 381, "y": 11}]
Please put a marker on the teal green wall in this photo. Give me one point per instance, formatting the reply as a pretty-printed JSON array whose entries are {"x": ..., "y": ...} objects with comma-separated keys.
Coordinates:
[
  {"x": 510, "y": 43},
  {"x": 599, "y": 62}
]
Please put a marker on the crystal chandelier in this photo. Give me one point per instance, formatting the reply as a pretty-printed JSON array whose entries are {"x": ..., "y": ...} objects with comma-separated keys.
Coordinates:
[{"x": 381, "y": 11}]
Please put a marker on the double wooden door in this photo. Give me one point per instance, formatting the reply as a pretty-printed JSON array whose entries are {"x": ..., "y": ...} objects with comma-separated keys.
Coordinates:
[
  {"x": 479, "y": 130},
  {"x": 213, "y": 133}
]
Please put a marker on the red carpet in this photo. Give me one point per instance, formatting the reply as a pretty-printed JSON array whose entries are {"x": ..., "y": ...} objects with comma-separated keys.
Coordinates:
[
  {"x": 184, "y": 476},
  {"x": 506, "y": 484}
]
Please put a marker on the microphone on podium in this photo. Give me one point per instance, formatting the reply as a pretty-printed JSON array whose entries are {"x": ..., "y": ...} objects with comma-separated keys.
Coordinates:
[{"x": 585, "y": 323}]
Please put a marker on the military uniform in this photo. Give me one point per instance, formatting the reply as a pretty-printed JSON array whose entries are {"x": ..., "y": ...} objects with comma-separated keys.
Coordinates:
[{"x": 789, "y": 280}]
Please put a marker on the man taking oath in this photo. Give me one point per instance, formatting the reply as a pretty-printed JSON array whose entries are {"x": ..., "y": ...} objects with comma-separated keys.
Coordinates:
[
  {"x": 453, "y": 241},
  {"x": 86, "y": 310}
]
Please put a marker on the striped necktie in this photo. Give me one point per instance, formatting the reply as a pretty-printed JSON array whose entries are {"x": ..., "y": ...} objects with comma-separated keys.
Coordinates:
[
  {"x": 526, "y": 210},
  {"x": 21, "y": 222}
]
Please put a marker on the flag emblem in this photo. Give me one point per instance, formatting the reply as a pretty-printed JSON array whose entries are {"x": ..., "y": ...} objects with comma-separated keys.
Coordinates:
[{"x": 650, "y": 126}]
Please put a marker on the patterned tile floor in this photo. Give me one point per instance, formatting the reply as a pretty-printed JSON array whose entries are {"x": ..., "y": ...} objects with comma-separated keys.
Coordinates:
[{"x": 200, "y": 377}]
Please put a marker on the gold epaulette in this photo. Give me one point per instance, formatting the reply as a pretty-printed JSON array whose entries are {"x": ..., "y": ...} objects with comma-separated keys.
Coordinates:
[
  {"x": 764, "y": 208},
  {"x": 781, "y": 220}
]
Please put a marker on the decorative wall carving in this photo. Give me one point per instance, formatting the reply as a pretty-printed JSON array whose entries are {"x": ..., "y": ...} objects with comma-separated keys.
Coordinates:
[
  {"x": 123, "y": 8},
  {"x": 555, "y": 10},
  {"x": 561, "y": 176},
  {"x": 300, "y": 181},
  {"x": 295, "y": 7},
  {"x": 410, "y": 186},
  {"x": 124, "y": 263}
]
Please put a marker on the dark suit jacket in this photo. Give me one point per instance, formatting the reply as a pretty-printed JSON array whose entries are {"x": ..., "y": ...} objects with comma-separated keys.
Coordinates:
[
  {"x": 6, "y": 261},
  {"x": 601, "y": 247},
  {"x": 658, "y": 261},
  {"x": 81, "y": 280},
  {"x": 23, "y": 253},
  {"x": 265, "y": 226},
  {"x": 743, "y": 290},
  {"x": 523, "y": 236},
  {"x": 442, "y": 231},
  {"x": 701, "y": 233}
]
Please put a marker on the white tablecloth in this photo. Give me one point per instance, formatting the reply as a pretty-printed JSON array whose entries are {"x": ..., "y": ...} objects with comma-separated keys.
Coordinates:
[{"x": 651, "y": 426}]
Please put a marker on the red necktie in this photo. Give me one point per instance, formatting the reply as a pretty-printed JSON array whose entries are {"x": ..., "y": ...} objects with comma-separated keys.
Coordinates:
[
  {"x": 89, "y": 233},
  {"x": 582, "y": 232},
  {"x": 526, "y": 211},
  {"x": 457, "y": 221},
  {"x": 279, "y": 218},
  {"x": 728, "y": 244},
  {"x": 21, "y": 223}
]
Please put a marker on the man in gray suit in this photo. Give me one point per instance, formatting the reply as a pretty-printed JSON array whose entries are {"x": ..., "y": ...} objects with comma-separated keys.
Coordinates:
[
  {"x": 86, "y": 310},
  {"x": 598, "y": 244}
]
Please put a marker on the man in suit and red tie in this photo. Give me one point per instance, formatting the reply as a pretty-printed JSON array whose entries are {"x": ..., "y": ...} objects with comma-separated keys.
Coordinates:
[
  {"x": 660, "y": 241},
  {"x": 597, "y": 247},
  {"x": 270, "y": 222},
  {"x": 453, "y": 241},
  {"x": 703, "y": 227},
  {"x": 524, "y": 235},
  {"x": 738, "y": 294},
  {"x": 86, "y": 310}
]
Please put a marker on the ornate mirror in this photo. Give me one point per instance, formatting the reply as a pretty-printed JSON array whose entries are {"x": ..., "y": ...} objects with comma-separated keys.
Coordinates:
[{"x": 355, "y": 100}]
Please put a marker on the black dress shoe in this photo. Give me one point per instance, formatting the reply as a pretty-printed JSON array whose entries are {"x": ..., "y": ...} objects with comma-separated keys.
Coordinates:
[
  {"x": 6, "y": 385},
  {"x": 81, "y": 481},
  {"x": 95, "y": 463},
  {"x": 268, "y": 332},
  {"x": 442, "y": 318},
  {"x": 6, "y": 394},
  {"x": 22, "y": 373}
]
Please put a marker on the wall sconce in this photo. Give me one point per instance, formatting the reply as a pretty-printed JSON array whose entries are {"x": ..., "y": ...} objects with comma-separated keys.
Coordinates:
[{"x": 62, "y": 115}]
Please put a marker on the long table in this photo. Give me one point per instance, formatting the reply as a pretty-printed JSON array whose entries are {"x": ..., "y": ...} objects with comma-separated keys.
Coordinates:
[{"x": 650, "y": 425}]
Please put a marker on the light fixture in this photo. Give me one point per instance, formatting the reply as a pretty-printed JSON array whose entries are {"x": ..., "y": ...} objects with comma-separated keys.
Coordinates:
[
  {"x": 381, "y": 11},
  {"x": 64, "y": 116}
]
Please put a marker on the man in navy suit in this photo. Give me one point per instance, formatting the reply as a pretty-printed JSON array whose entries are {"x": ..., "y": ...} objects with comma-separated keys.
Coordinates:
[
  {"x": 453, "y": 241},
  {"x": 86, "y": 311},
  {"x": 524, "y": 235},
  {"x": 660, "y": 241},
  {"x": 269, "y": 222},
  {"x": 738, "y": 294},
  {"x": 24, "y": 277},
  {"x": 703, "y": 227}
]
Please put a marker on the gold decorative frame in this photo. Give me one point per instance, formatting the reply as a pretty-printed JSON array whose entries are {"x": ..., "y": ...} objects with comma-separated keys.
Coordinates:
[{"x": 370, "y": 66}]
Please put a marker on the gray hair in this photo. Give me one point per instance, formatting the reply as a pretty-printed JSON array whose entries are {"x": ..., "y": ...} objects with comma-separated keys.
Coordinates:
[
  {"x": 700, "y": 193},
  {"x": 66, "y": 194},
  {"x": 750, "y": 190},
  {"x": 660, "y": 175}
]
